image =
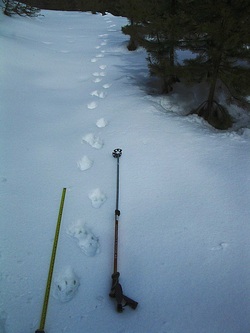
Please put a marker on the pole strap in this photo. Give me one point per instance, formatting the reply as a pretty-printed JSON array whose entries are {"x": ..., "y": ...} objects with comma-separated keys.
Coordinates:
[
  {"x": 51, "y": 267},
  {"x": 117, "y": 293}
]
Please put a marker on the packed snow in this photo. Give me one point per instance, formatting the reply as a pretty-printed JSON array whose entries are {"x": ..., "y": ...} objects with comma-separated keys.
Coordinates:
[{"x": 71, "y": 93}]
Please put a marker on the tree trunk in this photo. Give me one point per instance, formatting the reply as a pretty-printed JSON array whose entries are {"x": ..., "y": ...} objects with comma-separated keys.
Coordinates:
[{"x": 214, "y": 113}]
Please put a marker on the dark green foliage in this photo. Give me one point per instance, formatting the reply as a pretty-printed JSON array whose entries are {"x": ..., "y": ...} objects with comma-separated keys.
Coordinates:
[
  {"x": 220, "y": 36},
  {"x": 217, "y": 32},
  {"x": 18, "y": 8}
]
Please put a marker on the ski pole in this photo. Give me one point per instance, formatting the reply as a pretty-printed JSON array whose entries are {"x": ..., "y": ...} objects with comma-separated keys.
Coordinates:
[
  {"x": 116, "y": 288},
  {"x": 51, "y": 267}
]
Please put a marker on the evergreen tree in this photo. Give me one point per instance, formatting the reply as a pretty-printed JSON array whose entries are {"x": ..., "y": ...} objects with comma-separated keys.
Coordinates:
[
  {"x": 158, "y": 29},
  {"x": 220, "y": 38},
  {"x": 16, "y": 7}
]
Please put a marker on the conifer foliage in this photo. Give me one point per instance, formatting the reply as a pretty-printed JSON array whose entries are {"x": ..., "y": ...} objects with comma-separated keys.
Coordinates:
[
  {"x": 18, "y": 8},
  {"x": 216, "y": 32}
]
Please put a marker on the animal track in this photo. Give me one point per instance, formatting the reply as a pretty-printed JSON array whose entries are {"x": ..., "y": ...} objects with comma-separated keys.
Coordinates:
[
  {"x": 103, "y": 67},
  {"x": 107, "y": 85},
  {"x": 92, "y": 105},
  {"x": 221, "y": 246},
  {"x": 66, "y": 285},
  {"x": 87, "y": 241},
  {"x": 101, "y": 122},
  {"x": 97, "y": 198},
  {"x": 93, "y": 141},
  {"x": 99, "y": 94},
  {"x": 98, "y": 79},
  {"x": 99, "y": 74},
  {"x": 85, "y": 163}
]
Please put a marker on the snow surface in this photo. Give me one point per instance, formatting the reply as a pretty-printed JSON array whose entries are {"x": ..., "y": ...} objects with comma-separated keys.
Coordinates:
[{"x": 184, "y": 249}]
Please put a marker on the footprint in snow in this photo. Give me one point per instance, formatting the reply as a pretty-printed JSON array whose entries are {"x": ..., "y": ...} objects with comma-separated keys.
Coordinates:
[
  {"x": 92, "y": 105},
  {"x": 107, "y": 85},
  {"x": 102, "y": 67},
  {"x": 97, "y": 74},
  {"x": 101, "y": 123},
  {"x": 93, "y": 141},
  {"x": 87, "y": 241},
  {"x": 100, "y": 55},
  {"x": 66, "y": 285},
  {"x": 85, "y": 163},
  {"x": 97, "y": 80},
  {"x": 221, "y": 246},
  {"x": 97, "y": 198},
  {"x": 93, "y": 60},
  {"x": 99, "y": 94}
]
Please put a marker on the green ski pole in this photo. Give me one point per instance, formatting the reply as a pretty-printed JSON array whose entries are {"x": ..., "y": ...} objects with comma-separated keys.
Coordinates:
[{"x": 51, "y": 267}]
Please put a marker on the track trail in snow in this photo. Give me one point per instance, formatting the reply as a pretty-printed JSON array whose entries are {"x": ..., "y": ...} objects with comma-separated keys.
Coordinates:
[
  {"x": 87, "y": 241},
  {"x": 66, "y": 283}
]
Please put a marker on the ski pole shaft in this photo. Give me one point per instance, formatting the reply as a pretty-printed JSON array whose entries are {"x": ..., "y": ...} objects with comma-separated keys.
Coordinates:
[
  {"x": 116, "y": 288},
  {"x": 116, "y": 154},
  {"x": 51, "y": 267},
  {"x": 116, "y": 247},
  {"x": 117, "y": 183}
]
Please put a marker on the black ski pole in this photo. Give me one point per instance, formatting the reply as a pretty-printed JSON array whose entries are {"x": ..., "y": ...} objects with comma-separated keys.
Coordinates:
[{"x": 116, "y": 288}]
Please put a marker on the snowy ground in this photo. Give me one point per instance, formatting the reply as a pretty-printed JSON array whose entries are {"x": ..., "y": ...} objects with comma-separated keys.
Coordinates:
[{"x": 70, "y": 94}]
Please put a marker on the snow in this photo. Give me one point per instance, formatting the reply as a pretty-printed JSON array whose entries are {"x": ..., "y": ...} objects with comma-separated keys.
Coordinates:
[{"x": 70, "y": 94}]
